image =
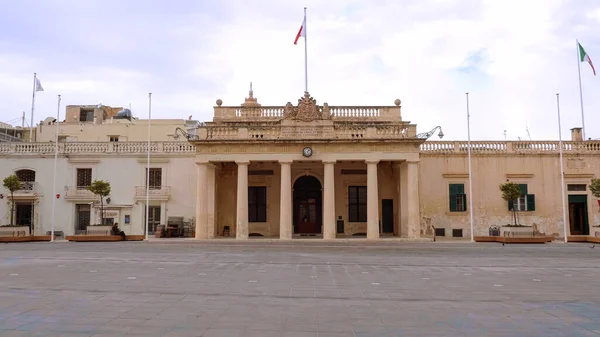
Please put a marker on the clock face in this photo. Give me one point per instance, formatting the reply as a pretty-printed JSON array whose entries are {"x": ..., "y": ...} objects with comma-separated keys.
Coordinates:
[{"x": 307, "y": 152}]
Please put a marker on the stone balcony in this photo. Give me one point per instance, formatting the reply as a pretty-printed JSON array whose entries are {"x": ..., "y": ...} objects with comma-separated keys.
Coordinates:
[
  {"x": 509, "y": 147},
  {"x": 97, "y": 148},
  {"x": 162, "y": 193},
  {"x": 79, "y": 193},
  {"x": 29, "y": 190}
]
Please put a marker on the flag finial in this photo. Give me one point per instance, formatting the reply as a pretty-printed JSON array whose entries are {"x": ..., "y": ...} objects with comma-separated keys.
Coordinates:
[{"x": 251, "y": 92}]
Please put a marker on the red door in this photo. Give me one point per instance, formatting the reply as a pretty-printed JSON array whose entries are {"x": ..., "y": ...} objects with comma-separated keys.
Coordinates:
[{"x": 307, "y": 216}]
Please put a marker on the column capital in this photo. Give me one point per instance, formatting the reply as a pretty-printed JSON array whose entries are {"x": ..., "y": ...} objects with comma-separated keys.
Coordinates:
[
  {"x": 242, "y": 162},
  {"x": 329, "y": 161},
  {"x": 372, "y": 161},
  {"x": 286, "y": 161}
]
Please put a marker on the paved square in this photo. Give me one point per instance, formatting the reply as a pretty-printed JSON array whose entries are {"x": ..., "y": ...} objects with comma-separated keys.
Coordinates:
[{"x": 298, "y": 289}]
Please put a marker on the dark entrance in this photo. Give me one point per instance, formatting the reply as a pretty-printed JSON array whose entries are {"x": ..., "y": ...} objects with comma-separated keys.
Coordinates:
[
  {"x": 308, "y": 206},
  {"x": 24, "y": 215},
  {"x": 578, "y": 215},
  {"x": 387, "y": 215}
]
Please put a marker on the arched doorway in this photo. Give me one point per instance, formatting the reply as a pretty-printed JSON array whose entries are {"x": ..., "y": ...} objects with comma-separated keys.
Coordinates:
[{"x": 308, "y": 206}]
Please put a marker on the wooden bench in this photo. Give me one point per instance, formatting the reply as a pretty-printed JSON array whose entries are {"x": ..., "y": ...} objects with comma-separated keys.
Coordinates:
[
  {"x": 103, "y": 238},
  {"x": 514, "y": 239},
  {"x": 30, "y": 238}
]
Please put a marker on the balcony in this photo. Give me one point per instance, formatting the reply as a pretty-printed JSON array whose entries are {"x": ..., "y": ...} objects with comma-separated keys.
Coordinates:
[
  {"x": 29, "y": 190},
  {"x": 79, "y": 193},
  {"x": 161, "y": 193}
]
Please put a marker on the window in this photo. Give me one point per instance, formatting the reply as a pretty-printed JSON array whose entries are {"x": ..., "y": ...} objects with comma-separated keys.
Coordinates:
[
  {"x": 155, "y": 178},
  {"x": 84, "y": 178},
  {"x": 458, "y": 198},
  {"x": 113, "y": 138},
  {"x": 357, "y": 203},
  {"x": 576, "y": 187},
  {"x": 257, "y": 204},
  {"x": 86, "y": 115},
  {"x": 27, "y": 179},
  {"x": 457, "y": 233},
  {"x": 525, "y": 203}
]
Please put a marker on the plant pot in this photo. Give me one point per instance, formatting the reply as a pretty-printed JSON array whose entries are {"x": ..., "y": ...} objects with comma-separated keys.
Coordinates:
[{"x": 511, "y": 231}]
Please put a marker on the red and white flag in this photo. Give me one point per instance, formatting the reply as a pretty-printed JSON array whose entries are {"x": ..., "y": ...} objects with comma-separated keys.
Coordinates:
[{"x": 302, "y": 31}]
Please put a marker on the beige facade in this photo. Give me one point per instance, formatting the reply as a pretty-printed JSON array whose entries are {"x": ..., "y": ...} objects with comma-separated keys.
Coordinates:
[{"x": 299, "y": 170}]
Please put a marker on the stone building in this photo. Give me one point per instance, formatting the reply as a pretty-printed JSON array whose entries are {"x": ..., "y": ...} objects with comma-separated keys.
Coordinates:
[{"x": 300, "y": 170}]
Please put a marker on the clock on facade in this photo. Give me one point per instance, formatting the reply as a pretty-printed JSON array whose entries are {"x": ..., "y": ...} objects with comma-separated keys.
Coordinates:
[{"x": 307, "y": 152}]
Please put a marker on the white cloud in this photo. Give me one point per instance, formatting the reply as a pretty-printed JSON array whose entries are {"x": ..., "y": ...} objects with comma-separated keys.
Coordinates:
[{"x": 360, "y": 53}]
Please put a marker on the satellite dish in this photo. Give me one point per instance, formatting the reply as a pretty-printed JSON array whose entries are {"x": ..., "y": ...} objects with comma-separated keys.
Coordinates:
[{"x": 99, "y": 106}]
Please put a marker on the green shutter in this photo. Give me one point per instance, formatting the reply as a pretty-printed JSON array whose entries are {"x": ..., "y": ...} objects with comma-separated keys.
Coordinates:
[
  {"x": 460, "y": 188},
  {"x": 530, "y": 202},
  {"x": 453, "y": 203},
  {"x": 464, "y": 197},
  {"x": 523, "y": 188},
  {"x": 510, "y": 205}
]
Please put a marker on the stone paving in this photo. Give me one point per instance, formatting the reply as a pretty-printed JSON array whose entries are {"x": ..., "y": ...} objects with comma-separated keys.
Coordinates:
[{"x": 298, "y": 289}]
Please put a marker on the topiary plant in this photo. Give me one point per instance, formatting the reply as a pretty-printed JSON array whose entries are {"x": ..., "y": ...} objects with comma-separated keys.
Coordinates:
[
  {"x": 510, "y": 193},
  {"x": 12, "y": 184},
  {"x": 100, "y": 188}
]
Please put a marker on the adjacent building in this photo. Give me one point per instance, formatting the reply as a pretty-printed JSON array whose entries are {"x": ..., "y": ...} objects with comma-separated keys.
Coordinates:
[{"x": 297, "y": 170}]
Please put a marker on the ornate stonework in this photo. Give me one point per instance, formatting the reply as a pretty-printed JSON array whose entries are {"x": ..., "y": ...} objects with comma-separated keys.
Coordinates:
[{"x": 307, "y": 110}]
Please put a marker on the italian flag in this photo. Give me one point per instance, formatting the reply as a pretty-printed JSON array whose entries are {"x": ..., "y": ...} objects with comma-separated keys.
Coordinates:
[
  {"x": 586, "y": 58},
  {"x": 302, "y": 31}
]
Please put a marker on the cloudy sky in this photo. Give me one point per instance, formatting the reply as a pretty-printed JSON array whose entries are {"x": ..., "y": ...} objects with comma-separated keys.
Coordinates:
[{"x": 512, "y": 56}]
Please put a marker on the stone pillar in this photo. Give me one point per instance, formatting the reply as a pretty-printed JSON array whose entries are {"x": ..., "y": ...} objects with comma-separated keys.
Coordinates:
[
  {"x": 285, "y": 201},
  {"x": 210, "y": 190},
  {"x": 201, "y": 202},
  {"x": 329, "y": 231},
  {"x": 414, "y": 209},
  {"x": 241, "y": 231},
  {"x": 372, "y": 200},
  {"x": 410, "y": 219}
]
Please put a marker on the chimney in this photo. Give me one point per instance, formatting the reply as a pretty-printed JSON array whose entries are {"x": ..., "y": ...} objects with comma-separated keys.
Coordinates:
[{"x": 576, "y": 135}]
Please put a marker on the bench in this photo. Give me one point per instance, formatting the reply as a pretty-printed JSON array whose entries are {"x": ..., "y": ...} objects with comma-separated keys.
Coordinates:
[{"x": 103, "y": 238}]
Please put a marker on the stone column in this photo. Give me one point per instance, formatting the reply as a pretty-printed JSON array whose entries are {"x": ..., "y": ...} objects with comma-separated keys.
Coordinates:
[
  {"x": 329, "y": 231},
  {"x": 210, "y": 190},
  {"x": 285, "y": 201},
  {"x": 242, "y": 201},
  {"x": 201, "y": 202},
  {"x": 372, "y": 200},
  {"x": 414, "y": 209}
]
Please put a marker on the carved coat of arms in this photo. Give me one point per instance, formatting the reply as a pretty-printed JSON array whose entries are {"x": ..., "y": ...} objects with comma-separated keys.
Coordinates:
[{"x": 307, "y": 110}]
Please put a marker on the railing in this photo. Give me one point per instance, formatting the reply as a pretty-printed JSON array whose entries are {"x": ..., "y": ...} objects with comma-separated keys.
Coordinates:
[
  {"x": 154, "y": 192},
  {"x": 27, "y": 187},
  {"x": 503, "y": 147},
  {"x": 175, "y": 147},
  {"x": 336, "y": 112}
]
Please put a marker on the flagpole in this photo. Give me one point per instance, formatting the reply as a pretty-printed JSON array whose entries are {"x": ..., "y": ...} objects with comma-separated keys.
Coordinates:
[
  {"x": 148, "y": 165},
  {"x": 32, "y": 108},
  {"x": 562, "y": 172},
  {"x": 580, "y": 90},
  {"x": 305, "y": 55},
  {"x": 55, "y": 162},
  {"x": 470, "y": 173}
]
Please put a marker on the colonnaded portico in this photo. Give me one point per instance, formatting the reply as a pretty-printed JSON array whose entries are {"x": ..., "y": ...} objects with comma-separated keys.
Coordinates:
[{"x": 307, "y": 170}]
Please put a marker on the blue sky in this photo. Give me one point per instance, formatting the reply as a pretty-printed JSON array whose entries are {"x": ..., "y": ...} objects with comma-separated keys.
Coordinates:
[{"x": 512, "y": 56}]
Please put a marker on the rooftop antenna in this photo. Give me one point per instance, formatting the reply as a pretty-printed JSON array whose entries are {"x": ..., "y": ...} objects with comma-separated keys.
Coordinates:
[{"x": 528, "y": 134}]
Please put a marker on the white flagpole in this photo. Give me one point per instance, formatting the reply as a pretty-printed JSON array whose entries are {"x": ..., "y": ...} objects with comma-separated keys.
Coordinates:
[
  {"x": 148, "y": 165},
  {"x": 562, "y": 172},
  {"x": 305, "y": 54},
  {"x": 580, "y": 91},
  {"x": 32, "y": 108},
  {"x": 55, "y": 162},
  {"x": 470, "y": 173}
]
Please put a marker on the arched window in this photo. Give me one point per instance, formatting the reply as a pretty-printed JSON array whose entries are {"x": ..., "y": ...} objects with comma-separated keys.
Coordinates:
[{"x": 27, "y": 178}]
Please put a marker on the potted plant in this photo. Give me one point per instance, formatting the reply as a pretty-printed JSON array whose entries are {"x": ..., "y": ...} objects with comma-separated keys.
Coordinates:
[
  {"x": 595, "y": 189},
  {"x": 100, "y": 188},
  {"x": 510, "y": 193}
]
